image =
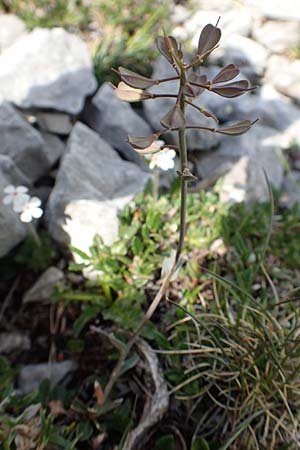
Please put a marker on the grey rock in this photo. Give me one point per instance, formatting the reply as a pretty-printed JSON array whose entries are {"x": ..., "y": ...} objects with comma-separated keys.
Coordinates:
[
  {"x": 54, "y": 122},
  {"x": 92, "y": 184},
  {"x": 53, "y": 70},
  {"x": 291, "y": 189},
  {"x": 11, "y": 28},
  {"x": 12, "y": 230},
  {"x": 284, "y": 75},
  {"x": 249, "y": 55},
  {"x": 14, "y": 341},
  {"x": 243, "y": 159},
  {"x": 156, "y": 109},
  {"x": 272, "y": 108},
  {"x": 114, "y": 119},
  {"x": 278, "y": 36},
  {"x": 44, "y": 287},
  {"x": 53, "y": 148},
  {"x": 233, "y": 21},
  {"x": 277, "y": 9},
  {"x": 33, "y": 374},
  {"x": 32, "y": 153}
]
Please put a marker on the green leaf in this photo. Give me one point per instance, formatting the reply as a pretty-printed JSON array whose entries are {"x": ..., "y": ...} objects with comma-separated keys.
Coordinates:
[
  {"x": 200, "y": 444},
  {"x": 165, "y": 443},
  {"x": 87, "y": 315},
  {"x": 136, "y": 246}
]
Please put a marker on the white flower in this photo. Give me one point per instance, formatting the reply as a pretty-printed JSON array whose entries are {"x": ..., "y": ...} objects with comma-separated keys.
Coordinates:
[
  {"x": 16, "y": 195},
  {"x": 164, "y": 159},
  {"x": 31, "y": 210}
]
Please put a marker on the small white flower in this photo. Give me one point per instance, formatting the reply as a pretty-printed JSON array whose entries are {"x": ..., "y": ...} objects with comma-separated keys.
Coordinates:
[
  {"x": 164, "y": 159},
  {"x": 15, "y": 195},
  {"x": 31, "y": 210}
]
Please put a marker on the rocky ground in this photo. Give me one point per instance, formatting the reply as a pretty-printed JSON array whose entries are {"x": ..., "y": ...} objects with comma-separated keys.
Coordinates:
[{"x": 64, "y": 137}]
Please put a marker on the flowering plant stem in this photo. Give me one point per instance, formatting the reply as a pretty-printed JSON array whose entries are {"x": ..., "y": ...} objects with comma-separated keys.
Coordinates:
[
  {"x": 155, "y": 184},
  {"x": 160, "y": 294},
  {"x": 34, "y": 234}
]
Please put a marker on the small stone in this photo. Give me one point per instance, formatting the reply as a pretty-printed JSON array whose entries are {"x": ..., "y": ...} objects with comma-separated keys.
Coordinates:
[
  {"x": 11, "y": 28},
  {"x": 57, "y": 123},
  {"x": 14, "y": 341},
  {"x": 33, "y": 374},
  {"x": 44, "y": 287}
]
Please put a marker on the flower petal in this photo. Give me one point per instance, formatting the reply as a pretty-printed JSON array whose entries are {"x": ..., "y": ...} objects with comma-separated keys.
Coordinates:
[
  {"x": 26, "y": 217},
  {"x": 37, "y": 213},
  {"x": 10, "y": 189}
]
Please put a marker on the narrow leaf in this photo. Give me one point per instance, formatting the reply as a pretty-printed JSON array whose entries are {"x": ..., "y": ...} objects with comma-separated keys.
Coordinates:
[
  {"x": 209, "y": 38},
  {"x": 226, "y": 74},
  {"x": 174, "y": 119},
  {"x": 236, "y": 129},
  {"x": 234, "y": 89},
  {"x": 134, "y": 79}
]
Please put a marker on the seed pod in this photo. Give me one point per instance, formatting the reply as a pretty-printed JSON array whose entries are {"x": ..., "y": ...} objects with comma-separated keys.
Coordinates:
[
  {"x": 226, "y": 74},
  {"x": 237, "y": 128},
  {"x": 135, "y": 80},
  {"x": 174, "y": 119},
  {"x": 232, "y": 90},
  {"x": 209, "y": 38}
]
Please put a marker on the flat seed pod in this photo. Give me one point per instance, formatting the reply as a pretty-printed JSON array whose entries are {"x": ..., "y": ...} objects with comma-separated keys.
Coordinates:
[
  {"x": 174, "y": 119},
  {"x": 141, "y": 142},
  {"x": 226, "y": 74},
  {"x": 165, "y": 45},
  {"x": 134, "y": 79},
  {"x": 234, "y": 89},
  {"x": 209, "y": 38},
  {"x": 190, "y": 89},
  {"x": 237, "y": 129},
  {"x": 129, "y": 94}
]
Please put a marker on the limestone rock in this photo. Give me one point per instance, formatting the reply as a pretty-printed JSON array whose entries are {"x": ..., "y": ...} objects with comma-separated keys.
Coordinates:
[
  {"x": 277, "y": 9},
  {"x": 156, "y": 109},
  {"x": 54, "y": 122},
  {"x": 250, "y": 56},
  {"x": 47, "y": 68},
  {"x": 245, "y": 157},
  {"x": 284, "y": 75},
  {"x": 14, "y": 341},
  {"x": 11, "y": 28},
  {"x": 278, "y": 36},
  {"x": 114, "y": 119},
  {"x": 32, "y": 154},
  {"x": 234, "y": 21},
  {"x": 272, "y": 108},
  {"x": 92, "y": 184},
  {"x": 12, "y": 230},
  {"x": 33, "y": 374},
  {"x": 44, "y": 287},
  {"x": 291, "y": 189}
]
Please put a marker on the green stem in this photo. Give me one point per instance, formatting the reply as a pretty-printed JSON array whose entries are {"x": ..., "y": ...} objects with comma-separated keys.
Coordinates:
[
  {"x": 155, "y": 184},
  {"x": 34, "y": 234},
  {"x": 183, "y": 165}
]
